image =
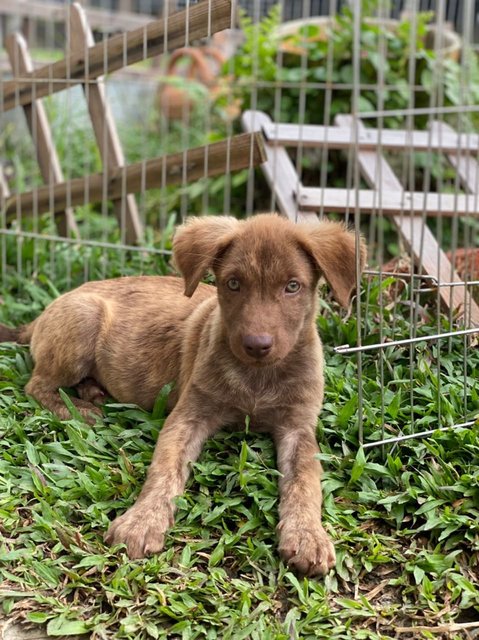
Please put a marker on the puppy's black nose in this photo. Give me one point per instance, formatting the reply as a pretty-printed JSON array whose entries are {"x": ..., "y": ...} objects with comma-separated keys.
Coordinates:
[{"x": 258, "y": 346}]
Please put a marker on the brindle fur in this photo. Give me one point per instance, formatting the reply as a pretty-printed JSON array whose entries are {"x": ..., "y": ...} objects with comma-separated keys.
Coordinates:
[{"x": 130, "y": 336}]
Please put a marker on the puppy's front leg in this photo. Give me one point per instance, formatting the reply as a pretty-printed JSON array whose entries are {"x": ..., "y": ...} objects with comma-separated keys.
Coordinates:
[
  {"x": 303, "y": 543},
  {"x": 142, "y": 528}
]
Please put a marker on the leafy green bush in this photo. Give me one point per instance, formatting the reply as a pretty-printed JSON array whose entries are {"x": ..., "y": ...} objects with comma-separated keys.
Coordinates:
[{"x": 309, "y": 76}]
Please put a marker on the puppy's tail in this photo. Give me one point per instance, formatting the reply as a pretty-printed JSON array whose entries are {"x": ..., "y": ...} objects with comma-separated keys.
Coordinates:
[{"x": 22, "y": 334}]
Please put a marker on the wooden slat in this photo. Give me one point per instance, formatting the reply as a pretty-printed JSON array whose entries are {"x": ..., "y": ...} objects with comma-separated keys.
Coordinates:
[
  {"x": 278, "y": 170},
  {"x": 417, "y": 236},
  {"x": 239, "y": 152},
  {"x": 39, "y": 127},
  {"x": 198, "y": 21},
  {"x": 4, "y": 194},
  {"x": 4, "y": 188},
  {"x": 293, "y": 135},
  {"x": 394, "y": 203},
  {"x": 111, "y": 152},
  {"x": 466, "y": 166}
]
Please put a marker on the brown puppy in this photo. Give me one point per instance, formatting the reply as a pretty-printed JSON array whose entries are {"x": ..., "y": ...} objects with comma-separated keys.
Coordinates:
[{"x": 246, "y": 348}]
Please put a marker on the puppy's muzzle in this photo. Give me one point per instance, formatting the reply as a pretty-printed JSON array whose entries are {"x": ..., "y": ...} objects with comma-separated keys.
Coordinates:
[{"x": 258, "y": 346}]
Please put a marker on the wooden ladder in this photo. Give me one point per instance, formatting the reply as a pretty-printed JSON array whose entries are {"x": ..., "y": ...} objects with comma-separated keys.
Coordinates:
[{"x": 407, "y": 210}]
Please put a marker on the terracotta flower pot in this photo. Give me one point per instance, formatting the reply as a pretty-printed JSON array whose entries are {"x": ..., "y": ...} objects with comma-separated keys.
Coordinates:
[{"x": 193, "y": 64}]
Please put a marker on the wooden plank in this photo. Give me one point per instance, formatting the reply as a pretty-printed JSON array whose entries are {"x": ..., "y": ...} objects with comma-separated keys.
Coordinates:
[
  {"x": 243, "y": 151},
  {"x": 56, "y": 12},
  {"x": 198, "y": 21},
  {"x": 4, "y": 188},
  {"x": 111, "y": 152},
  {"x": 396, "y": 203},
  {"x": 278, "y": 169},
  {"x": 417, "y": 236},
  {"x": 39, "y": 127},
  {"x": 467, "y": 167},
  {"x": 294, "y": 135}
]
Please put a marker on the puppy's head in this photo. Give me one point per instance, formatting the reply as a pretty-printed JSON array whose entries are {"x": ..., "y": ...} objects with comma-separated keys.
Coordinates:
[{"x": 267, "y": 270}]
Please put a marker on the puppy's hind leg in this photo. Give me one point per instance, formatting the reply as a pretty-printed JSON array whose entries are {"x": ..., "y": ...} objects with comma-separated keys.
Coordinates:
[
  {"x": 44, "y": 385},
  {"x": 45, "y": 388},
  {"x": 63, "y": 347}
]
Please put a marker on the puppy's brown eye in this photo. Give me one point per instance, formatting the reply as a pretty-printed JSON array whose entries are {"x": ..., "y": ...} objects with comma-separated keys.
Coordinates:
[
  {"x": 233, "y": 284},
  {"x": 293, "y": 286}
]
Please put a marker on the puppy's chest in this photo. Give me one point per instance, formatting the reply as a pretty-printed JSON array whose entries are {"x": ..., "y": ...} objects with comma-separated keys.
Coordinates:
[{"x": 260, "y": 396}]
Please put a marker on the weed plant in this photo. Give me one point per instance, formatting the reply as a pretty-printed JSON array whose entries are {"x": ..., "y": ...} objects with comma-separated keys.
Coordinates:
[{"x": 309, "y": 76}]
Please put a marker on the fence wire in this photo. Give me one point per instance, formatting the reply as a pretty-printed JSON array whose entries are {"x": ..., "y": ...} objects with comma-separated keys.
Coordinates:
[{"x": 93, "y": 95}]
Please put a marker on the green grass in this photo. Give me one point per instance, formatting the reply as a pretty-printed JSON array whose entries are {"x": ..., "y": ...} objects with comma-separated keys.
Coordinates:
[{"x": 405, "y": 520}]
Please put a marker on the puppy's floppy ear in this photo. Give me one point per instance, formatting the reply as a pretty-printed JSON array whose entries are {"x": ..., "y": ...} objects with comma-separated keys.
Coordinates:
[
  {"x": 333, "y": 249},
  {"x": 196, "y": 245}
]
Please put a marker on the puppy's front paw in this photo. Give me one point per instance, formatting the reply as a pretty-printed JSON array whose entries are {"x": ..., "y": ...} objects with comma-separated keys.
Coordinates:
[
  {"x": 306, "y": 546},
  {"x": 142, "y": 528}
]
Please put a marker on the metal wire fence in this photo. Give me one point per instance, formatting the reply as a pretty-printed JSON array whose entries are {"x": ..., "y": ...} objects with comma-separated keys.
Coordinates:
[{"x": 361, "y": 114}]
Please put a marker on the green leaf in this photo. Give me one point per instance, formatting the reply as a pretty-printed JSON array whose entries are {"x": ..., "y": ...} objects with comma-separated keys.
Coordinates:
[
  {"x": 70, "y": 405},
  {"x": 217, "y": 555},
  {"x": 39, "y": 617},
  {"x": 394, "y": 405},
  {"x": 61, "y": 626},
  {"x": 347, "y": 411},
  {"x": 358, "y": 466},
  {"x": 159, "y": 408},
  {"x": 32, "y": 453},
  {"x": 418, "y": 574}
]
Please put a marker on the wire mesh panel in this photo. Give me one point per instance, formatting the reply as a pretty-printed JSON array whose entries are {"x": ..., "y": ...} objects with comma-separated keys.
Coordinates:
[
  {"x": 116, "y": 127},
  {"x": 354, "y": 62},
  {"x": 119, "y": 119}
]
